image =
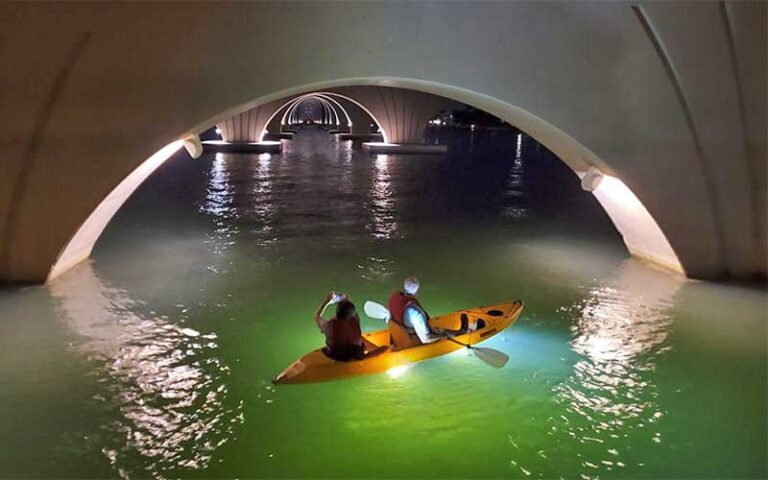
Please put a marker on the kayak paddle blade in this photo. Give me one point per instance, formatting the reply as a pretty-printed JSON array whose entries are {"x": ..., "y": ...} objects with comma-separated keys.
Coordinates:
[
  {"x": 492, "y": 357},
  {"x": 376, "y": 310}
]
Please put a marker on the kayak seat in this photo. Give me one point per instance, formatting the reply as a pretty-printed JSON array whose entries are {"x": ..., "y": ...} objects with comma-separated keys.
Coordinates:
[
  {"x": 465, "y": 322},
  {"x": 495, "y": 313},
  {"x": 343, "y": 356}
]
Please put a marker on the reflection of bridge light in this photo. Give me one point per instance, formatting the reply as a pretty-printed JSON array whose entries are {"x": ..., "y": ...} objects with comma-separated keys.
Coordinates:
[
  {"x": 383, "y": 224},
  {"x": 167, "y": 383},
  {"x": 263, "y": 201},
  {"x": 620, "y": 329},
  {"x": 218, "y": 199},
  {"x": 519, "y": 148}
]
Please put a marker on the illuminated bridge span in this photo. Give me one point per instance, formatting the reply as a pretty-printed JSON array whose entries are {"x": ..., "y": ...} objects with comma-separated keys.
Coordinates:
[
  {"x": 401, "y": 114},
  {"x": 659, "y": 107}
]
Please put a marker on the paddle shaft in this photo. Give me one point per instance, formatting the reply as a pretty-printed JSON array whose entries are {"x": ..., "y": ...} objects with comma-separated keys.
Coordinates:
[{"x": 459, "y": 343}]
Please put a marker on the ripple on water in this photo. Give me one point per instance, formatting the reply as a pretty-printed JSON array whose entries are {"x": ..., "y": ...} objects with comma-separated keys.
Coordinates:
[
  {"x": 619, "y": 330},
  {"x": 376, "y": 269},
  {"x": 165, "y": 381},
  {"x": 383, "y": 222}
]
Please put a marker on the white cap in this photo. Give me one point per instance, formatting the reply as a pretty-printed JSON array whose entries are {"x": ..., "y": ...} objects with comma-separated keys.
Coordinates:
[{"x": 411, "y": 285}]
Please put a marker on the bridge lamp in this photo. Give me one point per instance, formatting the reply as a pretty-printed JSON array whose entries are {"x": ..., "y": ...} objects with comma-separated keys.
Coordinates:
[
  {"x": 193, "y": 146},
  {"x": 592, "y": 179},
  {"x": 605, "y": 188}
]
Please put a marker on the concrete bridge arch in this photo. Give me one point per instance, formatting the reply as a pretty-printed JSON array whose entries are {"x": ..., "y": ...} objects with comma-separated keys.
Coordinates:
[{"x": 654, "y": 95}]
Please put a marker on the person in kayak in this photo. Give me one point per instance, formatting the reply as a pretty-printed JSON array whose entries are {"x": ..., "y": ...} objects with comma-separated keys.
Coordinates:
[
  {"x": 343, "y": 338},
  {"x": 409, "y": 321}
]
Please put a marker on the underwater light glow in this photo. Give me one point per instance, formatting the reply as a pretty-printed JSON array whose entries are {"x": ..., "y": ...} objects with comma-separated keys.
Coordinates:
[{"x": 396, "y": 372}]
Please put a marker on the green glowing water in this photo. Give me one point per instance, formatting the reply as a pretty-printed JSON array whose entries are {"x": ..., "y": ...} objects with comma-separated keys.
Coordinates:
[{"x": 155, "y": 359}]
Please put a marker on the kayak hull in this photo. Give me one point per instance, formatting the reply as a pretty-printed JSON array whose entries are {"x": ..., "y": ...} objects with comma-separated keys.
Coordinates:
[{"x": 317, "y": 367}]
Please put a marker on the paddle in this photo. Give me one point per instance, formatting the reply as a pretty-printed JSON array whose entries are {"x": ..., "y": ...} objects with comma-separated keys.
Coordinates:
[
  {"x": 490, "y": 356},
  {"x": 376, "y": 311}
]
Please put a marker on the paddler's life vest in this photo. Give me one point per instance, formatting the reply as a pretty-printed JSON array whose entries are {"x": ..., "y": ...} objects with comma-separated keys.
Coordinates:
[
  {"x": 397, "y": 305},
  {"x": 402, "y": 335},
  {"x": 344, "y": 335}
]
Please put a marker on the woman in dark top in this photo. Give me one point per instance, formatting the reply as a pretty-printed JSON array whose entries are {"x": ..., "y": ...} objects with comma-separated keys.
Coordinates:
[{"x": 343, "y": 338}]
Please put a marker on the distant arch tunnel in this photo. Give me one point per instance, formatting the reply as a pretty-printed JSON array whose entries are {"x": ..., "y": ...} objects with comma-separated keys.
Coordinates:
[
  {"x": 401, "y": 114},
  {"x": 660, "y": 108}
]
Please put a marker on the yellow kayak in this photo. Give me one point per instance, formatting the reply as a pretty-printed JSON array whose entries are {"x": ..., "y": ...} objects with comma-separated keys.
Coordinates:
[{"x": 489, "y": 320}]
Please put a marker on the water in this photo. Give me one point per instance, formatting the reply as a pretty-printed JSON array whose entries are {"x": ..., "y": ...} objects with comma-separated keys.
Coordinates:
[{"x": 155, "y": 358}]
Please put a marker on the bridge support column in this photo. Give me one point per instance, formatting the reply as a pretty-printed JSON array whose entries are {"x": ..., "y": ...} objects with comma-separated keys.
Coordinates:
[
  {"x": 403, "y": 116},
  {"x": 242, "y": 132}
]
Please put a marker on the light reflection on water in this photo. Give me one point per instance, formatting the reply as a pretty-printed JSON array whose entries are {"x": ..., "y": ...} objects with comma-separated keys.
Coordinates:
[
  {"x": 596, "y": 360},
  {"x": 166, "y": 381},
  {"x": 218, "y": 203},
  {"x": 262, "y": 202},
  {"x": 619, "y": 330},
  {"x": 516, "y": 184},
  {"x": 383, "y": 224}
]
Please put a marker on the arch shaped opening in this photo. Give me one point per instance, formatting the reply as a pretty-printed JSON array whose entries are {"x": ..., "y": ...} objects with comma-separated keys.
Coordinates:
[
  {"x": 642, "y": 235},
  {"x": 327, "y": 107},
  {"x": 329, "y": 96}
]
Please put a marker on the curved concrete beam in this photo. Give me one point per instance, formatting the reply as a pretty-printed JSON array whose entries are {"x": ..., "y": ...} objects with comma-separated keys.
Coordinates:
[
  {"x": 404, "y": 114},
  {"x": 359, "y": 120},
  {"x": 641, "y": 233},
  {"x": 656, "y": 96},
  {"x": 79, "y": 247}
]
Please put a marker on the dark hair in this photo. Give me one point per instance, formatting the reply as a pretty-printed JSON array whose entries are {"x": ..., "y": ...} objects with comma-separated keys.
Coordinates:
[{"x": 345, "y": 309}]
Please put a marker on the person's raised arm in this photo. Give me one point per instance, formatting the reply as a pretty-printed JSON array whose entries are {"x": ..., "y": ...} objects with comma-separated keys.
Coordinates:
[{"x": 319, "y": 320}]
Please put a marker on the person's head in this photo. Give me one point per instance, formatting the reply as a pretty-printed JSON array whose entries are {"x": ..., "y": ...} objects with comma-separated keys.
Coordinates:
[
  {"x": 411, "y": 285},
  {"x": 345, "y": 309}
]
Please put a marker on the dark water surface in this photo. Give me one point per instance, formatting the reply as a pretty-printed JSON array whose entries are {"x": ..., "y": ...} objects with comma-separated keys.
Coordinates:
[{"x": 155, "y": 358}]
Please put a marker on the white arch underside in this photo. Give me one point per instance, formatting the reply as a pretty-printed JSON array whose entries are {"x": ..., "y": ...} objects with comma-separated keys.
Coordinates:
[{"x": 641, "y": 233}]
